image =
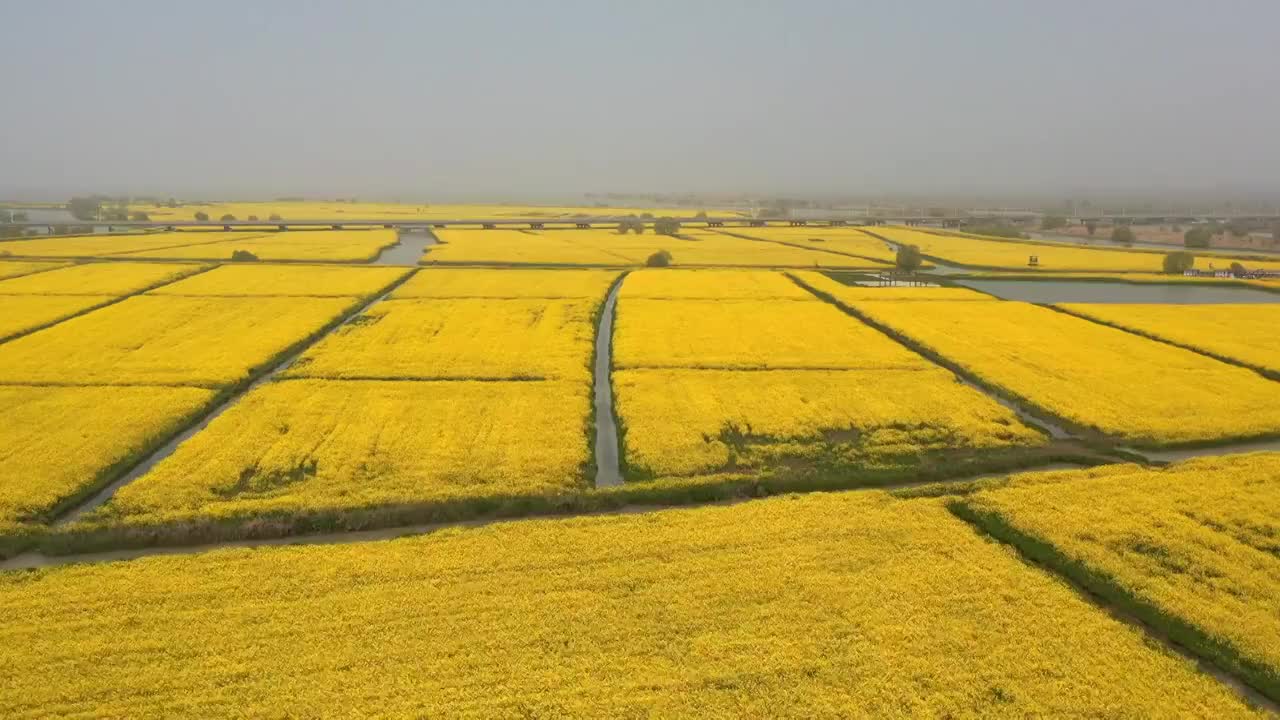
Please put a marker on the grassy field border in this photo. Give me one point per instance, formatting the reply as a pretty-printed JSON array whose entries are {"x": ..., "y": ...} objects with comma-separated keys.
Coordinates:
[{"x": 1220, "y": 653}]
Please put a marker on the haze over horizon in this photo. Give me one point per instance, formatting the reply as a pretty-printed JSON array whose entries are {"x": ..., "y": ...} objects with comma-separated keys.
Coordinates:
[{"x": 507, "y": 100}]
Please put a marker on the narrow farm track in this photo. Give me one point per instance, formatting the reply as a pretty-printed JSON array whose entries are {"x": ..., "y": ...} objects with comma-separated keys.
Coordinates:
[
  {"x": 608, "y": 469},
  {"x": 102, "y": 496},
  {"x": 1246, "y": 692}
]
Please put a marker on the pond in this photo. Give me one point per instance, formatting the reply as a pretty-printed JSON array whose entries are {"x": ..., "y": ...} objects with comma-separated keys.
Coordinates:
[{"x": 1075, "y": 291}]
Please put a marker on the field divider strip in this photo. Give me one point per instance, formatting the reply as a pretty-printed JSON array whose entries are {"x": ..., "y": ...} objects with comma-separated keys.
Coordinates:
[
  {"x": 605, "y": 443},
  {"x": 93, "y": 497},
  {"x": 877, "y": 261},
  {"x": 1255, "y": 683},
  {"x": 1264, "y": 372},
  {"x": 37, "y": 271},
  {"x": 202, "y": 268},
  {"x": 626, "y": 498},
  {"x": 1042, "y": 419}
]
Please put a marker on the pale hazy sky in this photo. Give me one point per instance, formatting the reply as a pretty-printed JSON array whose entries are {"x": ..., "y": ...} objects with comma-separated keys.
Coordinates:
[{"x": 475, "y": 98}]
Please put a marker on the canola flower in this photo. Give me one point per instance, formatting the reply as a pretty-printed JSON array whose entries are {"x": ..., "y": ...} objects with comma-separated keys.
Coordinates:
[
  {"x": 167, "y": 340},
  {"x": 16, "y": 268},
  {"x": 671, "y": 284},
  {"x": 750, "y": 334},
  {"x": 854, "y": 293},
  {"x": 1197, "y": 541},
  {"x": 20, "y": 313},
  {"x": 1239, "y": 332},
  {"x": 1095, "y": 376},
  {"x": 459, "y": 338},
  {"x": 975, "y": 251},
  {"x": 285, "y": 280},
  {"x": 499, "y": 284},
  {"x": 57, "y": 441},
  {"x": 304, "y": 445},
  {"x": 113, "y": 245},
  {"x": 115, "y": 278},
  {"x": 316, "y": 245},
  {"x": 683, "y": 422},
  {"x": 847, "y": 240},
  {"x": 839, "y": 605},
  {"x": 339, "y": 211}
]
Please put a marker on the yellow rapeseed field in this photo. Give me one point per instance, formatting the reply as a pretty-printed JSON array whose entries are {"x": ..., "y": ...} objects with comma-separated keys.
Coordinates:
[
  {"x": 750, "y": 334},
  {"x": 55, "y": 442},
  {"x": 167, "y": 340},
  {"x": 285, "y": 280},
  {"x": 115, "y": 278},
  {"x": 682, "y": 422},
  {"x": 498, "y": 283},
  {"x": 606, "y": 247},
  {"x": 115, "y": 245},
  {"x": 671, "y": 284},
  {"x": 1051, "y": 257},
  {"x": 17, "y": 268},
  {"x": 842, "y": 605},
  {"x": 1197, "y": 541},
  {"x": 1246, "y": 332},
  {"x": 855, "y": 293},
  {"x": 480, "y": 338},
  {"x": 20, "y": 313},
  {"x": 1094, "y": 376},
  {"x": 337, "y": 211},
  {"x": 316, "y": 245},
  {"x": 848, "y": 240},
  {"x": 299, "y": 446}
]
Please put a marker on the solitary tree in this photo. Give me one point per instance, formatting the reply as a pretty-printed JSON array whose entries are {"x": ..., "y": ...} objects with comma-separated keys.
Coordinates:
[
  {"x": 908, "y": 258},
  {"x": 1123, "y": 234},
  {"x": 140, "y": 216},
  {"x": 631, "y": 224},
  {"x": 1238, "y": 270},
  {"x": 662, "y": 258},
  {"x": 228, "y": 218},
  {"x": 1197, "y": 237},
  {"x": 84, "y": 208},
  {"x": 1179, "y": 262},
  {"x": 274, "y": 218},
  {"x": 253, "y": 218},
  {"x": 666, "y": 226},
  {"x": 1052, "y": 222},
  {"x": 1091, "y": 226},
  {"x": 243, "y": 256},
  {"x": 202, "y": 216}
]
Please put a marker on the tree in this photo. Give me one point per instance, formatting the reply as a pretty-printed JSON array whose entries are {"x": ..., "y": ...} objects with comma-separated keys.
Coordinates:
[
  {"x": 632, "y": 224},
  {"x": 253, "y": 218},
  {"x": 1238, "y": 230},
  {"x": 666, "y": 226},
  {"x": 274, "y": 218},
  {"x": 6, "y": 216},
  {"x": 227, "y": 218},
  {"x": 701, "y": 215},
  {"x": 1197, "y": 237},
  {"x": 140, "y": 216},
  {"x": 1176, "y": 263},
  {"x": 1092, "y": 227},
  {"x": 243, "y": 256},
  {"x": 662, "y": 258},
  {"x": 84, "y": 208},
  {"x": 908, "y": 258},
  {"x": 1238, "y": 270},
  {"x": 1052, "y": 222},
  {"x": 202, "y": 216},
  {"x": 1123, "y": 234}
]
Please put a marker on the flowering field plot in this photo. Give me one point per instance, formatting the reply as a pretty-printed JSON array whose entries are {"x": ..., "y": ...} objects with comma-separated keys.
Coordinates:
[
  {"x": 292, "y": 245},
  {"x": 854, "y": 293},
  {"x": 59, "y": 442},
  {"x": 285, "y": 280},
  {"x": 835, "y": 605},
  {"x": 847, "y": 240},
  {"x": 704, "y": 385},
  {"x": 117, "y": 278},
  {"x": 1243, "y": 333},
  {"x": 16, "y": 268},
  {"x": 1093, "y": 376},
  {"x": 712, "y": 285},
  {"x": 22, "y": 313},
  {"x": 88, "y": 246},
  {"x": 500, "y": 284},
  {"x": 150, "y": 340},
  {"x": 978, "y": 252},
  {"x": 460, "y": 338},
  {"x": 1192, "y": 549},
  {"x": 302, "y": 448},
  {"x": 599, "y": 246}
]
